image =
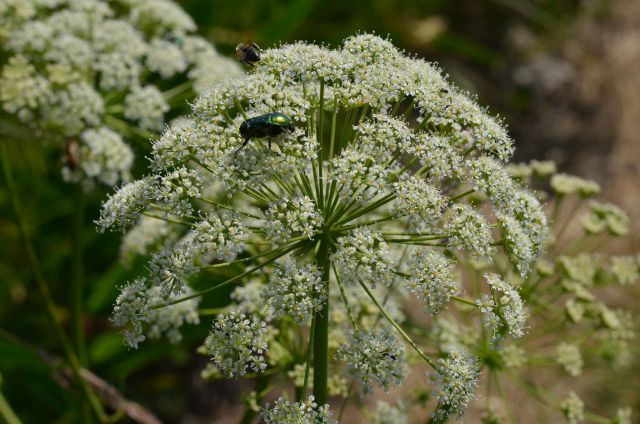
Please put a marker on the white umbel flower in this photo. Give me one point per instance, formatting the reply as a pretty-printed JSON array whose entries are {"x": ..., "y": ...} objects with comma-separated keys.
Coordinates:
[
  {"x": 295, "y": 291},
  {"x": 456, "y": 380},
  {"x": 237, "y": 344},
  {"x": 303, "y": 412},
  {"x": 374, "y": 356},
  {"x": 507, "y": 312},
  {"x": 136, "y": 315},
  {"x": 433, "y": 279}
]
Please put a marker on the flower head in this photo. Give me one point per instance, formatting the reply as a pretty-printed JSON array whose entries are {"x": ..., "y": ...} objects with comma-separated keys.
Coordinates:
[
  {"x": 237, "y": 344},
  {"x": 373, "y": 356},
  {"x": 303, "y": 412},
  {"x": 295, "y": 291},
  {"x": 573, "y": 408},
  {"x": 366, "y": 191},
  {"x": 504, "y": 309},
  {"x": 456, "y": 379}
]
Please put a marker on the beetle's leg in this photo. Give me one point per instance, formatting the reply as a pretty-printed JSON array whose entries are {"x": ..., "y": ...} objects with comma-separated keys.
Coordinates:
[
  {"x": 246, "y": 140},
  {"x": 269, "y": 143}
]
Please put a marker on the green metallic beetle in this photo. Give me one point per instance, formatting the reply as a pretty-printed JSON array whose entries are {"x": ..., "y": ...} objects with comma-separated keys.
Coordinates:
[{"x": 268, "y": 125}]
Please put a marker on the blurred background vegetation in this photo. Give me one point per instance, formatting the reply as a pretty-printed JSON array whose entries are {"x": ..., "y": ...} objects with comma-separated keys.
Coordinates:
[{"x": 563, "y": 74}]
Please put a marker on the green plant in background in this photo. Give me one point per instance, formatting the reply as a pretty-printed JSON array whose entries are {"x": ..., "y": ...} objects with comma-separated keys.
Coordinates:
[
  {"x": 92, "y": 81},
  {"x": 90, "y": 73}
]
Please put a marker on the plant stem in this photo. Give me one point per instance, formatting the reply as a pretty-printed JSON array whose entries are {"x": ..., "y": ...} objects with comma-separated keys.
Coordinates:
[
  {"x": 6, "y": 413},
  {"x": 262, "y": 383},
  {"x": 321, "y": 330},
  {"x": 308, "y": 361},
  {"x": 397, "y": 326}
]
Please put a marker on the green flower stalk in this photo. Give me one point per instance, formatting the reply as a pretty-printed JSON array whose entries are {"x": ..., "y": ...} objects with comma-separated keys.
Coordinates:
[{"x": 380, "y": 164}]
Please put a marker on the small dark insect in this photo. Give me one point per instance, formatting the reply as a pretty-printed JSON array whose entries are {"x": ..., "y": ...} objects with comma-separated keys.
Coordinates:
[
  {"x": 175, "y": 39},
  {"x": 248, "y": 53},
  {"x": 71, "y": 157},
  {"x": 444, "y": 90},
  {"x": 268, "y": 125}
]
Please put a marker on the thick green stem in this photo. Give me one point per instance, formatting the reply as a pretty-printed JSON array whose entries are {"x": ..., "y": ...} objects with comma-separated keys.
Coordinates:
[{"x": 321, "y": 330}]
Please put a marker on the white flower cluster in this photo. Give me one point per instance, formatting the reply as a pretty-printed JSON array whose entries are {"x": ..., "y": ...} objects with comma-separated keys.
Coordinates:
[
  {"x": 105, "y": 157},
  {"x": 304, "y": 412},
  {"x": 218, "y": 236},
  {"x": 292, "y": 216},
  {"x": 374, "y": 355},
  {"x": 134, "y": 313},
  {"x": 364, "y": 255},
  {"x": 469, "y": 230},
  {"x": 75, "y": 68},
  {"x": 296, "y": 291},
  {"x": 522, "y": 223},
  {"x": 564, "y": 185},
  {"x": 456, "y": 379},
  {"x": 503, "y": 309},
  {"x": 248, "y": 299},
  {"x": 606, "y": 216},
  {"x": 568, "y": 355},
  {"x": 573, "y": 408},
  {"x": 123, "y": 208},
  {"x": 433, "y": 280},
  {"x": 419, "y": 200},
  {"x": 379, "y": 159},
  {"x": 148, "y": 234},
  {"x": 386, "y": 413},
  {"x": 146, "y": 106},
  {"x": 237, "y": 344}
]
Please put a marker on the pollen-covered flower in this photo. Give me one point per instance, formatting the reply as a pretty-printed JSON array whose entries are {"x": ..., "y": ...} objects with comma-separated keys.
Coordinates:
[
  {"x": 506, "y": 312},
  {"x": 434, "y": 279},
  {"x": 456, "y": 379},
  {"x": 303, "y": 412},
  {"x": 295, "y": 290},
  {"x": 374, "y": 356},
  {"x": 237, "y": 344},
  {"x": 77, "y": 67}
]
